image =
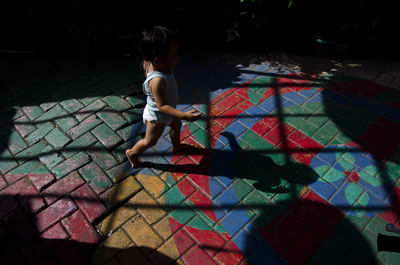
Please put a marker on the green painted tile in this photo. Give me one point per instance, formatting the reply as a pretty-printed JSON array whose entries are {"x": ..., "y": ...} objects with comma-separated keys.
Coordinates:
[
  {"x": 90, "y": 109},
  {"x": 94, "y": 175},
  {"x": 33, "y": 151},
  {"x": 71, "y": 164},
  {"x": 40, "y": 132},
  {"x": 7, "y": 161},
  {"x": 136, "y": 101},
  {"x": 308, "y": 129},
  {"x": 106, "y": 136},
  {"x": 72, "y": 105},
  {"x": 116, "y": 102},
  {"x": 124, "y": 133},
  {"x": 133, "y": 115},
  {"x": 102, "y": 157},
  {"x": 14, "y": 142},
  {"x": 80, "y": 143},
  {"x": 52, "y": 158},
  {"x": 24, "y": 126},
  {"x": 111, "y": 118},
  {"x": 66, "y": 123},
  {"x": 57, "y": 138},
  {"x": 32, "y": 111},
  {"x": 242, "y": 188},
  {"x": 376, "y": 225},
  {"x": 83, "y": 127},
  {"x": 52, "y": 114}
]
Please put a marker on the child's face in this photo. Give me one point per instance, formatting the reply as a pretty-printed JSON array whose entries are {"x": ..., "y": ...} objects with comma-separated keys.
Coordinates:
[{"x": 171, "y": 58}]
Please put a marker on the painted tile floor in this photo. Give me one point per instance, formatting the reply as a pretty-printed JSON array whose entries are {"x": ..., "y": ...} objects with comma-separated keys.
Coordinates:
[{"x": 289, "y": 167}]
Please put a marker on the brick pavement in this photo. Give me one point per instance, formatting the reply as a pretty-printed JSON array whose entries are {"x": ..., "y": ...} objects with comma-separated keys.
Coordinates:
[{"x": 291, "y": 168}]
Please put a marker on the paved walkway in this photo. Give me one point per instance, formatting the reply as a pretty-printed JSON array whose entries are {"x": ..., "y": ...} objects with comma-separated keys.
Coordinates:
[{"x": 297, "y": 162}]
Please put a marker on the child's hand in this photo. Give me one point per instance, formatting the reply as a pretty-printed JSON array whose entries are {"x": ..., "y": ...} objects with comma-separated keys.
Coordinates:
[{"x": 192, "y": 115}]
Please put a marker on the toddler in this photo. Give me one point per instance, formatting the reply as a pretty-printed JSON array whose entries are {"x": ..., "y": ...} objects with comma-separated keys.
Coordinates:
[{"x": 160, "y": 49}]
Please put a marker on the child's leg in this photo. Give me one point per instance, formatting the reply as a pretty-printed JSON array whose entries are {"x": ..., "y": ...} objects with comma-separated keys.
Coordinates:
[
  {"x": 175, "y": 134},
  {"x": 154, "y": 131}
]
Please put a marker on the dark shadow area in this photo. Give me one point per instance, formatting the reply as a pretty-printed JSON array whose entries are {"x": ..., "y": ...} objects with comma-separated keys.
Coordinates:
[
  {"x": 238, "y": 163},
  {"x": 22, "y": 243}
]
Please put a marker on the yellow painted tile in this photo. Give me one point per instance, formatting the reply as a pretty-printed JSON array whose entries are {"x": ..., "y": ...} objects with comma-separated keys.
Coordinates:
[
  {"x": 123, "y": 190},
  {"x": 152, "y": 184},
  {"x": 166, "y": 254},
  {"x": 141, "y": 233},
  {"x": 116, "y": 218},
  {"x": 163, "y": 227},
  {"x": 147, "y": 207},
  {"x": 133, "y": 255},
  {"x": 110, "y": 247}
]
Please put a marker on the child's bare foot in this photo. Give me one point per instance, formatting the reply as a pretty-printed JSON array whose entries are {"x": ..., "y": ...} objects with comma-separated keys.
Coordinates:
[
  {"x": 181, "y": 147},
  {"x": 135, "y": 162}
]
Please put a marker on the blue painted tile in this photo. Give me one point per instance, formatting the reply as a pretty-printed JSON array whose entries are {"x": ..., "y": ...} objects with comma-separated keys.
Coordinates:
[
  {"x": 308, "y": 93},
  {"x": 317, "y": 98},
  {"x": 244, "y": 242},
  {"x": 379, "y": 191},
  {"x": 323, "y": 189},
  {"x": 215, "y": 187},
  {"x": 227, "y": 197},
  {"x": 295, "y": 97},
  {"x": 262, "y": 255},
  {"x": 376, "y": 205},
  {"x": 287, "y": 103},
  {"x": 162, "y": 145},
  {"x": 235, "y": 128},
  {"x": 339, "y": 199},
  {"x": 182, "y": 107},
  {"x": 335, "y": 96},
  {"x": 268, "y": 105},
  {"x": 226, "y": 181}
]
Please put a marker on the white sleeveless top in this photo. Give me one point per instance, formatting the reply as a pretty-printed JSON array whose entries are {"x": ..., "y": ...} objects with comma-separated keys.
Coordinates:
[{"x": 151, "y": 112}]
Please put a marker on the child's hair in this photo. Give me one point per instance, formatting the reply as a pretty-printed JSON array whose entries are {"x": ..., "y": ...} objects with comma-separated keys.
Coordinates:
[{"x": 155, "y": 41}]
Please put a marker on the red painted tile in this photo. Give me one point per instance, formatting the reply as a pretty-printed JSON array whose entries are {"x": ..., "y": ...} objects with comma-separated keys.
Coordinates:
[
  {"x": 67, "y": 254},
  {"x": 274, "y": 238},
  {"x": 88, "y": 202},
  {"x": 20, "y": 226},
  {"x": 260, "y": 128},
  {"x": 175, "y": 226},
  {"x": 295, "y": 221},
  {"x": 229, "y": 254},
  {"x": 302, "y": 249},
  {"x": 30, "y": 199},
  {"x": 225, "y": 119},
  {"x": 244, "y": 105},
  {"x": 273, "y": 136},
  {"x": 54, "y": 213},
  {"x": 80, "y": 230},
  {"x": 208, "y": 240},
  {"x": 321, "y": 229},
  {"x": 62, "y": 187},
  {"x": 226, "y": 93},
  {"x": 200, "y": 200},
  {"x": 40, "y": 180},
  {"x": 182, "y": 241},
  {"x": 45, "y": 242},
  {"x": 214, "y": 112},
  {"x": 7, "y": 204},
  {"x": 27, "y": 194},
  {"x": 197, "y": 256},
  {"x": 186, "y": 187},
  {"x": 242, "y": 91},
  {"x": 185, "y": 133},
  {"x": 15, "y": 188},
  {"x": 3, "y": 184},
  {"x": 229, "y": 102},
  {"x": 270, "y": 121},
  {"x": 322, "y": 208}
]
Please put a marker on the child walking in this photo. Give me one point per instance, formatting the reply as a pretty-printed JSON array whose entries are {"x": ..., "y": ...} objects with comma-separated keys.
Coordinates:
[{"x": 160, "y": 49}]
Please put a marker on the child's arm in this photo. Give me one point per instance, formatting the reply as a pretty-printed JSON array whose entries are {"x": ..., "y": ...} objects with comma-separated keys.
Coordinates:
[{"x": 157, "y": 88}]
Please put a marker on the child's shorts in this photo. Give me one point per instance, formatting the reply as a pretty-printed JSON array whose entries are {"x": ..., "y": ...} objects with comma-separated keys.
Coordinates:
[{"x": 158, "y": 116}]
